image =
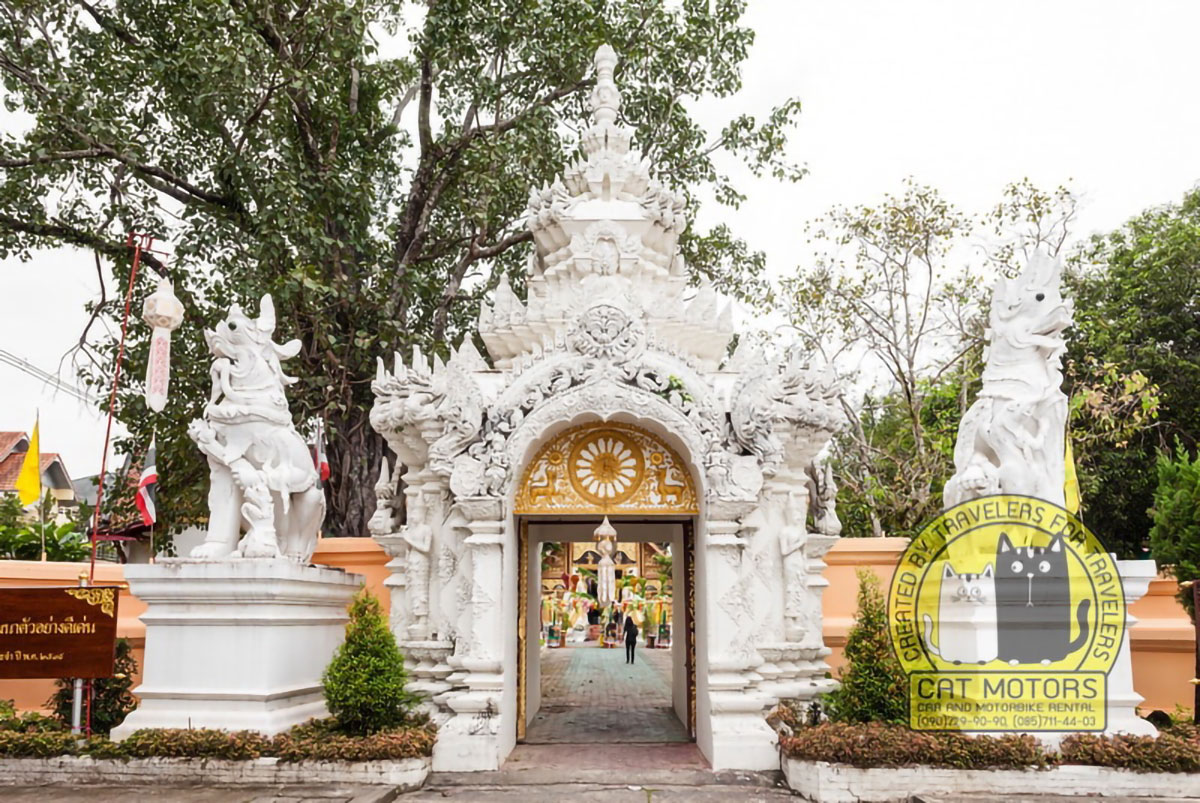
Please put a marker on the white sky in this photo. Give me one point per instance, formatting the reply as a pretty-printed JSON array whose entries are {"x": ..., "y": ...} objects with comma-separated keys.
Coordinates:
[{"x": 961, "y": 94}]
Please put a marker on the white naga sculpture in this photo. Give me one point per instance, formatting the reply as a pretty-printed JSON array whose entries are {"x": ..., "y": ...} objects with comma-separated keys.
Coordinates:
[
  {"x": 261, "y": 475},
  {"x": 1011, "y": 440}
]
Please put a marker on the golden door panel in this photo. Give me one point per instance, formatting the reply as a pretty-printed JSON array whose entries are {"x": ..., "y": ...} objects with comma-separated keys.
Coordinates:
[{"x": 606, "y": 468}]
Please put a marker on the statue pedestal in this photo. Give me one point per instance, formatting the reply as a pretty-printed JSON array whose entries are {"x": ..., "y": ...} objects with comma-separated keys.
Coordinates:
[
  {"x": 1122, "y": 699},
  {"x": 238, "y": 644}
]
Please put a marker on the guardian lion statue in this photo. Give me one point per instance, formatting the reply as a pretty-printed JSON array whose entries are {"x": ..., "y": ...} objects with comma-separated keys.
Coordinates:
[
  {"x": 1012, "y": 439},
  {"x": 261, "y": 475}
]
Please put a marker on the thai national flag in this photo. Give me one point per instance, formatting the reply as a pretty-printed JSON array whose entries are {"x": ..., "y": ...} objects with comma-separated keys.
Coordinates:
[
  {"x": 320, "y": 458},
  {"x": 148, "y": 487}
]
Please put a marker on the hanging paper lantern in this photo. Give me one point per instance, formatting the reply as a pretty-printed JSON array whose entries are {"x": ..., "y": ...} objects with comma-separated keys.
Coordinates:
[{"x": 163, "y": 311}]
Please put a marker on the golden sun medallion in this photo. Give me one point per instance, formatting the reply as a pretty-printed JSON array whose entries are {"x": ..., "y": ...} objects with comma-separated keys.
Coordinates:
[{"x": 606, "y": 468}]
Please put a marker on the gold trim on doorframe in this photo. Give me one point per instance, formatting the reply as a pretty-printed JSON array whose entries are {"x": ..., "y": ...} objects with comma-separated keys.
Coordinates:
[
  {"x": 522, "y": 621},
  {"x": 606, "y": 468},
  {"x": 689, "y": 601}
]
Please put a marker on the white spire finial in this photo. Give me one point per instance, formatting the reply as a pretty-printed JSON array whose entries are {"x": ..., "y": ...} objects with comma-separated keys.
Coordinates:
[
  {"x": 605, "y": 530},
  {"x": 606, "y": 100}
]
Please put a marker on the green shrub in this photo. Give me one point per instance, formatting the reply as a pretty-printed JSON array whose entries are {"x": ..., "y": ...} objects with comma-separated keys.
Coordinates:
[
  {"x": 102, "y": 747},
  {"x": 1175, "y": 750},
  {"x": 320, "y": 740},
  {"x": 31, "y": 722},
  {"x": 880, "y": 745},
  {"x": 196, "y": 743},
  {"x": 36, "y": 744},
  {"x": 1175, "y": 536},
  {"x": 111, "y": 697},
  {"x": 874, "y": 687},
  {"x": 364, "y": 683}
]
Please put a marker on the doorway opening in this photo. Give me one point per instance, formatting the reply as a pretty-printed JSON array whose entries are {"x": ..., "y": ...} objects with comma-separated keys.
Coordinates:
[{"x": 576, "y": 684}]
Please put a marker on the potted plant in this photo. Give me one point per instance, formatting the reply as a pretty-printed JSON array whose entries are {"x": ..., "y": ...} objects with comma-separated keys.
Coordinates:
[{"x": 651, "y": 625}]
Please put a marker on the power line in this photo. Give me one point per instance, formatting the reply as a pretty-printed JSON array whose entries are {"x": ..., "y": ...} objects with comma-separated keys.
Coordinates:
[{"x": 46, "y": 377}]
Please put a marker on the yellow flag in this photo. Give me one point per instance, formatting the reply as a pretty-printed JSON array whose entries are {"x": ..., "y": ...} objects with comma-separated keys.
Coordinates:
[
  {"x": 1071, "y": 483},
  {"x": 29, "y": 481}
]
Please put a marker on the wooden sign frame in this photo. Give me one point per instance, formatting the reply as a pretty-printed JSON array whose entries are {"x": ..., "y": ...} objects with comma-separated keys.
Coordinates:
[{"x": 57, "y": 632}]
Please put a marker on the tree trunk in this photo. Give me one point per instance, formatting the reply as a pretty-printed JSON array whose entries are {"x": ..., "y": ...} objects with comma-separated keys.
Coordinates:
[{"x": 355, "y": 451}]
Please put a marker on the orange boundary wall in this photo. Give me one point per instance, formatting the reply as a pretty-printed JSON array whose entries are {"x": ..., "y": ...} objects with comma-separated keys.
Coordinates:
[{"x": 1163, "y": 639}]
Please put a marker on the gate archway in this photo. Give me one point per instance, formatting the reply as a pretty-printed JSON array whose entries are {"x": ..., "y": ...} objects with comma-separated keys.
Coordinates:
[
  {"x": 606, "y": 468},
  {"x": 625, "y": 472}
]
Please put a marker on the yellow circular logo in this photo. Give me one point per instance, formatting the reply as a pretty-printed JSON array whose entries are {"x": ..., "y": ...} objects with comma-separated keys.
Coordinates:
[{"x": 1006, "y": 613}]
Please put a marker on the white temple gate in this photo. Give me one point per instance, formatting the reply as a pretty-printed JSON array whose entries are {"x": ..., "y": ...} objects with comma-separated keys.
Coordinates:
[{"x": 610, "y": 391}]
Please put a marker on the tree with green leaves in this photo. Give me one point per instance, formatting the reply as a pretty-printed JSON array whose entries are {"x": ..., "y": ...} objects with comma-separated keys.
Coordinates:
[
  {"x": 889, "y": 305},
  {"x": 112, "y": 697},
  {"x": 1175, "y": 534},
  {"x": 366, "y": 162},
  {"x": 22, "y": 534},
  {"x": 1137, "y": 307},
  {"x": 896, "y": 303},
  {"x": 365, "y": 682},
  {"x": 873, "y": 687}
]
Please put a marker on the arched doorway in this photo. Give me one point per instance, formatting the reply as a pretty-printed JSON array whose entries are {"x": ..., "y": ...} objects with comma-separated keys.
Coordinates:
[{"x": 637, "y": 480}]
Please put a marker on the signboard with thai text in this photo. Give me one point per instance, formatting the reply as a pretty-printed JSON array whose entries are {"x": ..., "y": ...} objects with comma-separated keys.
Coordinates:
[{"x": 58, "y": 632}]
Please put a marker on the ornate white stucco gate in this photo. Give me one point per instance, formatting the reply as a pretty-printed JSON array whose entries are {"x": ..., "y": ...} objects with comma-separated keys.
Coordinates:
[{"x": 612, "y": 339}]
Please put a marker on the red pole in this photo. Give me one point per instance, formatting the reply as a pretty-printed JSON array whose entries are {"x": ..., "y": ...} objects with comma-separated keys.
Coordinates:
[{"x": 137, "y": 242}]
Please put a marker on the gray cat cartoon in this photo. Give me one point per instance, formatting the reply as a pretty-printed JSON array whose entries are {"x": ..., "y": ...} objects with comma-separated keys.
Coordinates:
[{"x": 1033, "y": 610}]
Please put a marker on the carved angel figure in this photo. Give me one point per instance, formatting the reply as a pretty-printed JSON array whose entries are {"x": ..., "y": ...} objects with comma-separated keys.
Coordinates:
[
  {"x": 1011, "y": 440},
  {"x": 792, "y": 537},
  {"x": 261, "y": 476}
]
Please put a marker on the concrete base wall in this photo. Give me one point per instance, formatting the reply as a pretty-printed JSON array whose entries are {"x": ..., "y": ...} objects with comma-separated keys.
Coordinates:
[
  {"x": 838, "y": 783},
  {"x": 407, "y": 773}
]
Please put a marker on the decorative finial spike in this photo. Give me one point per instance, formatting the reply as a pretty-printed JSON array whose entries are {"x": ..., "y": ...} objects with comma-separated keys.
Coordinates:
[{"x": 605, "y": 100}]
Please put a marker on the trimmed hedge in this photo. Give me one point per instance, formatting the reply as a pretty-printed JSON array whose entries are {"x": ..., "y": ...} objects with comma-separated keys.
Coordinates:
[
  {"x": 195, "y": 743},
  {"x": 319, "y": 741},
  {"x": 36, "y": 744},
  {"x": 876, "y": 744},
  {"x": 312, "y": 741},
  {"x": 1177, "y": 749}
]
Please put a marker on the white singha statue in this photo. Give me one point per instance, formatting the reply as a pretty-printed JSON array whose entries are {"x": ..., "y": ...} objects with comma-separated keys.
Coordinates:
[
  {"x": 261, "y": 475},
  {"x": 1012, "y": 440}
]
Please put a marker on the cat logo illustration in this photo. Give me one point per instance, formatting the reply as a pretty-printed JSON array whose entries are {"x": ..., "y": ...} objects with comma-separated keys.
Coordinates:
[{"x": 1006, "y": 614}]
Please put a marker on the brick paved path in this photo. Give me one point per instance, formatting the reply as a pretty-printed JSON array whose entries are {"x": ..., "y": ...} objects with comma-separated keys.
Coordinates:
[{"x": 590, "y": 694}]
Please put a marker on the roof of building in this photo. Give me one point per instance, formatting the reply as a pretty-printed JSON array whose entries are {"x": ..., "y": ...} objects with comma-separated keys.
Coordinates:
[
  {"x": 10, "y": 441},
  {"x": 10, "y": 469},
  {"x": 12, "y": 456}
]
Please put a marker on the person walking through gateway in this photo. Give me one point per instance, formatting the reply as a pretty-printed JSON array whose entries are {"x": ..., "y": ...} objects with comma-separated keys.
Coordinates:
[{"x": 631, "y": 634}]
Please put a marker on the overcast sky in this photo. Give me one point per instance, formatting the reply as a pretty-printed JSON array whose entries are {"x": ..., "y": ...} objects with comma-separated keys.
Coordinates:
[{"x": 964, "y": 95}]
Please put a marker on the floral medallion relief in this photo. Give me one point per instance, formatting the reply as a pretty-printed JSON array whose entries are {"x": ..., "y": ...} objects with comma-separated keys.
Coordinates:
[{"x": 610, "y": 467}]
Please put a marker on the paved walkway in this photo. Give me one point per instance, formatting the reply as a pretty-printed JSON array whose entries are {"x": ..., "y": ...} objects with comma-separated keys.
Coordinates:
[
  {"x": 588, "y": 676},
  {"x": 590, "y": 695}
]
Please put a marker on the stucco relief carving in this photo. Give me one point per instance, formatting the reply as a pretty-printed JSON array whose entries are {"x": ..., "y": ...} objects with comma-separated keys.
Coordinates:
[
  {"x": 418, "y": 534},
  {"x": 605, "y": 330},
  {"x": 261, "y": 476},
  {"x": 429, "y": 414},
  {"x": 781, "y": 410},
  {"x": 606, "y": 333},
  {"x": 792, "y": 537},
  {"x": 1011, "y": 440},
  {"x": 610, "y": 468}
]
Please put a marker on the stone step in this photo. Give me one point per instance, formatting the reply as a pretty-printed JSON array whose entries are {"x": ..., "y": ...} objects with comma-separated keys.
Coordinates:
[{"x": 633, "y": 765}]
